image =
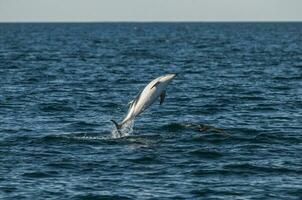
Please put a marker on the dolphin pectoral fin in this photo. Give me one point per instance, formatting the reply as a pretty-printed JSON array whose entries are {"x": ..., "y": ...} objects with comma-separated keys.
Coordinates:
[
  {"x": 162, "y": 97},
  {"x": 155, "y": 84}
]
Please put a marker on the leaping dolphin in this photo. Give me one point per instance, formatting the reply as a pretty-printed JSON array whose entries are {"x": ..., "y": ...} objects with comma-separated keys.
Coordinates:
[{"x": 146, "y": 98}]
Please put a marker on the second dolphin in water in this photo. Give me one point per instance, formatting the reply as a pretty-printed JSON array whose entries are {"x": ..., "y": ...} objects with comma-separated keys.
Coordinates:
[{"x": 155, "y": 89}]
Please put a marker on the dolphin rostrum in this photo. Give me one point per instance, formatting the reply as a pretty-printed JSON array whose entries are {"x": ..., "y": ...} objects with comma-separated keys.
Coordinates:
[{"x": 146, "y": 97}]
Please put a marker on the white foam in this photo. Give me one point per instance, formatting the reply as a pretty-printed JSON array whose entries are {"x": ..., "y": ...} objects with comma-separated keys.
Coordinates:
[{"x": 126, "y": 130}]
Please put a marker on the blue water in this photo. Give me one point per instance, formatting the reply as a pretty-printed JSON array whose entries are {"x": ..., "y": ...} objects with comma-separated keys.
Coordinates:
[{"x": 60, "y": 84}]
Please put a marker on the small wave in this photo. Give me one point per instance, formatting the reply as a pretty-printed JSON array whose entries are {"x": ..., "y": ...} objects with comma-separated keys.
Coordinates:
[
  {"x": 84, "y": 124},
  {"x": 261, "y": 169},
  {"x": 62, "y": 165},
  {"x": 206, "y": 192},
  {"x": 286, "y": 78},
  {"x": 206, "y": 154},
  {"x": 209, "y": 138},
  {"x": 144, "y": 160},
  {"x": 203, "y": 192},
  {"x": 203, "y": 172},
  {"x": 173, "y": 127},
  {"x": 52, "y": 138},
  {"x": 55, "y": 107},
  {"x": 106, "y": 138},
  {"x": 103, "y": 197},
  {"x": 71, "y": 138},
  {"x": 38, "y": 174}
]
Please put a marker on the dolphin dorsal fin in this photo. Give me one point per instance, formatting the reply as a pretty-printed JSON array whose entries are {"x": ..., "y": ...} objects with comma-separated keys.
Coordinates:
[
  {"x": 162, "y": 97},
  {"x": 130, "y": 103},
  {"x": 155, "y": 84}
]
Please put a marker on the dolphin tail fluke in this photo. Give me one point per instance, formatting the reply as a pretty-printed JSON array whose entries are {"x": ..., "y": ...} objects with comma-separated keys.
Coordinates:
[{"x": 118, "y": 126}]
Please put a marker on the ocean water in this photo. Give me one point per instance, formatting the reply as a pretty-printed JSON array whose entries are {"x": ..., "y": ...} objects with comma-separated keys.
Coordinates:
[{"x": 60, "y": 84}]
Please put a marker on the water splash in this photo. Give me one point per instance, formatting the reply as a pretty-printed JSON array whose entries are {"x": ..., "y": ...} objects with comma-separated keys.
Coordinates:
[
  {"x": 126, "y": 130},
  {"x": 89, "y": 138}
]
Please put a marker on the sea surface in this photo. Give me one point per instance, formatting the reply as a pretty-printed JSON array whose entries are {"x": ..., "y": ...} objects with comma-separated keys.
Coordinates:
[{"x": 61, "y": 84}]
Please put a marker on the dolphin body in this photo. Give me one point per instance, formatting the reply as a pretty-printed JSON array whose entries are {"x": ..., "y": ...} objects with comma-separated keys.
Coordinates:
[{"x": 156, "y": 88}]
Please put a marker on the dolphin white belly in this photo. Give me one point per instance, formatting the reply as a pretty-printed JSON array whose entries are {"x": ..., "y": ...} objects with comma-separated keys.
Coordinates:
[{"x": 156, "y": 88}]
